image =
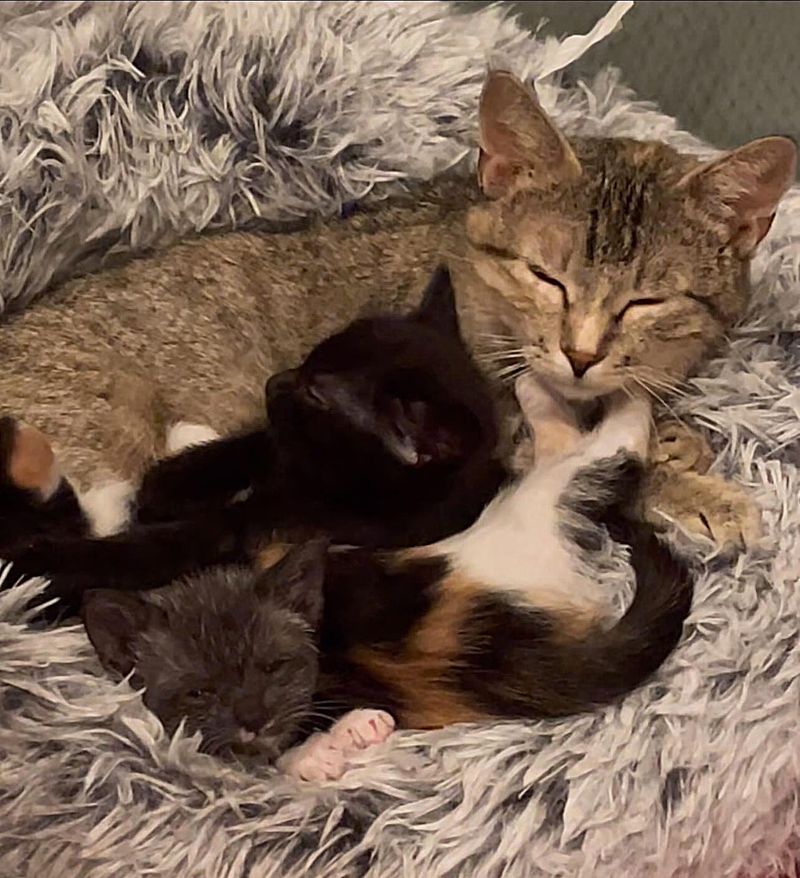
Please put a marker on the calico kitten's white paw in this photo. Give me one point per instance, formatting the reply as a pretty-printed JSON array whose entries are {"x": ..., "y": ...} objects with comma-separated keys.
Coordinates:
[
  {"x": 108, "y": 506},
  {"x": 183, "y": 435},
  {"x": 362, "y": 728},
  {"x": 324, "y": 755},
  {"x": 317, "y": 759}
]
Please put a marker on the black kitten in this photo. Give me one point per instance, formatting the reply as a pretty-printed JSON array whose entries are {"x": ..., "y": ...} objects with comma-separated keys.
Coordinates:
[{"x": 384, "y": 437}]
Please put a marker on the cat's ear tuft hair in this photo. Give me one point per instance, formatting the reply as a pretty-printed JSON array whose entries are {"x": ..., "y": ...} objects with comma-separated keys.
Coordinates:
[
  {"x": 296, "y": 580},
  {"x": 438, "y": 306},
  {"x": 519, "y": 144},
  {"x": 114, "y": 620},
  {"x": 748, "y": 182}
]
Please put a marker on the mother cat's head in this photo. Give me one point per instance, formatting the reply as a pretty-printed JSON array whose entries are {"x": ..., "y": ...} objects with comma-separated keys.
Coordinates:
[{"x": 603, "y": 263}]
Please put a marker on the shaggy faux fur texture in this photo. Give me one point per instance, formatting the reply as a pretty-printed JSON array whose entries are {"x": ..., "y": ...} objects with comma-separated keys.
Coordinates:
[
  {"x": 126, "y": 124},
  {"x": 696, "y": 774}
]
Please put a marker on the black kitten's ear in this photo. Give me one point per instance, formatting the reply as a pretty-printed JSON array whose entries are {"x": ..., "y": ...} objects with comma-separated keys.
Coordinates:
[
  {"x": 114, "y": 620},
  {"x": 296, "y": 580},
  {"x": 438, "y": 307}
]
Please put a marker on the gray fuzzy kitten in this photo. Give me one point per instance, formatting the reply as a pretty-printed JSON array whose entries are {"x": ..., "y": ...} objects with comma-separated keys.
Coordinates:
[
  {"x": 231, "y": 653},
  {"x": 598, "y": 264}
]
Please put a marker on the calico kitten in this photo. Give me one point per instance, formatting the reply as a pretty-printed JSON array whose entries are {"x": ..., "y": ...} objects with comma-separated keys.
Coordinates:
[
  {"x": 34, "y": 498},
  {"x": 231, "y": 654},
  {"x": 501, "y": 620},
  {"x": 385, "y": 436},
  {"x": 598, "y": 263}
]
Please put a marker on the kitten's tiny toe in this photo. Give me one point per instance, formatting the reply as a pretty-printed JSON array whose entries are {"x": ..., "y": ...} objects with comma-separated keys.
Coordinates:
[
  {"x": 363, "y": 728},
  {"x": 317, "y": 759}
]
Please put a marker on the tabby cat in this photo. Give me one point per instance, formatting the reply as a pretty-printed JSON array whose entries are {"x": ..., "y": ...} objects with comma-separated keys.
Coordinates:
[{"x": 596, "y": 263}]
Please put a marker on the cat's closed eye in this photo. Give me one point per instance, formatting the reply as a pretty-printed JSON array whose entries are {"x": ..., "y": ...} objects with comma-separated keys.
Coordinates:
[
  {"x": 540, "y": 274},
  {"x": 196, "y": 694},
  {"x": 637, "y": 303}
]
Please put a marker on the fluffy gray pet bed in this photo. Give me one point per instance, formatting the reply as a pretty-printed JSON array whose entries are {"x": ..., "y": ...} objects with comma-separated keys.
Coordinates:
[{"x": 695, "y": 774}]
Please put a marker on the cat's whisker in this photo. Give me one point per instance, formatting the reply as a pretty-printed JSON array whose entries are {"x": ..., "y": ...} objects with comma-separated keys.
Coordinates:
[
  {"x": 510, "y": 373},
  {"x": 650, "y": 390},
  {"x": 500, "y": 356}
]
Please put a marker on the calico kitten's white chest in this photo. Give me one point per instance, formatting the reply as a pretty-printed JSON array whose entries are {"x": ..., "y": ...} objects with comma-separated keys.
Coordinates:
[{"x": 517, "y": 546}]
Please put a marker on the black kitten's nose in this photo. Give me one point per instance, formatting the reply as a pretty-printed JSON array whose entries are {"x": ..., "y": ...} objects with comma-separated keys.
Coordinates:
[
  {"x": 279, "y": 383},
  {"x": 581, "y": 361}
]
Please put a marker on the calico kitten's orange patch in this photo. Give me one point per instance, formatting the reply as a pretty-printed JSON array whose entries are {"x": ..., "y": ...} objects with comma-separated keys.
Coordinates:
[
  {"x": 420, "y": 676},
  {"x": 32, "y": 463}
]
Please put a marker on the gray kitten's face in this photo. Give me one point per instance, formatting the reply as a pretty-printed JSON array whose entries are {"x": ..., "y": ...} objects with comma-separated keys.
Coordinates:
[
  {"x": 224, "y": 652},
  {"x": 238, "y": 668}
]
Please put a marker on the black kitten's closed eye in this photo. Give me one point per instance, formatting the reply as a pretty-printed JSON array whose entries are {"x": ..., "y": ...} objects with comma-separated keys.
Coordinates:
[
  {"x": 196, "y": 694},
  {"x": 637, "y": 303}
]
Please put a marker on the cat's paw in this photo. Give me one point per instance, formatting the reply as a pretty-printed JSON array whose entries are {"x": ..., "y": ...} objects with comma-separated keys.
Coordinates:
[
  {"x": 705, "y": 505},
  {"x": 362, "y": 728},
  {"x": 324, "y": 755},
  {"x": 681, "y": 448},
  {"x": 107, "y": 506},
  {"x": 183, "y": 435},
  {"x": 318, "y": 759},
  {"x": 27, "y": 460}
]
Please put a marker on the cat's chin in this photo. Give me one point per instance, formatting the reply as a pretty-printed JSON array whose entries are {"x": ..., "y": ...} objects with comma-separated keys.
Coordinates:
[{"x": 576, "y": 391}]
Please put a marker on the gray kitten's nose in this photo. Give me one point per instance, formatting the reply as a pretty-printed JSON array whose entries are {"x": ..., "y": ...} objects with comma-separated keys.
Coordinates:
[{"x": 250, "y": 714}]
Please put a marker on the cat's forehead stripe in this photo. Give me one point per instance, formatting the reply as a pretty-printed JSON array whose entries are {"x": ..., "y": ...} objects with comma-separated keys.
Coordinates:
[{"x": 616, "y": 211}]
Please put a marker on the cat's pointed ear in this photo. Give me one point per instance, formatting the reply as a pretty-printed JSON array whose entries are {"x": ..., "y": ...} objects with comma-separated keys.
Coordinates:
[
  {"x": 748, "y": 183},
  {"x": 519, "y": 145},
  {"x": 296, "y": 580},
  {"x": 114, "y": 620},
  {"x": 438, "y": 306}
]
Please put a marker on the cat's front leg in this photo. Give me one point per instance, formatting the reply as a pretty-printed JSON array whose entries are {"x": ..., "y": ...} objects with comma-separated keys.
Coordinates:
[
  {"x": 324, "y": 755},
  {"x": 679, "y": 489}
]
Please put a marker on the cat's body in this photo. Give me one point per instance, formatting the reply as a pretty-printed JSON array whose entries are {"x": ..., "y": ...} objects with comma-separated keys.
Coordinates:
[
  {"x": 598, "y": 264},
  {"x": 107, "y": 363}
]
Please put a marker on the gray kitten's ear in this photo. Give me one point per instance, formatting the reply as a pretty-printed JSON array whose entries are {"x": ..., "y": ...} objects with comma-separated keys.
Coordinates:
[
  {"x": 438, "y": 306},
  {"x": 519, "y": 144},
  {"x": 114, "y": 620},
  {"x": 748, "y": 183},
  {"x": 296, "y": 580}
]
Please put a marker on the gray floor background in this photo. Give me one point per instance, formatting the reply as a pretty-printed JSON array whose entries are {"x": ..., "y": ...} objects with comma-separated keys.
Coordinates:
[{"x": 728, "y": 71}]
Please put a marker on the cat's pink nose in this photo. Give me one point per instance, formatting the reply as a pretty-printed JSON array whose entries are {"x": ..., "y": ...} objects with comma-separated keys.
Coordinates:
[
  {"x": 246, "y": 736},
  {"x": 581, "y": 361}
]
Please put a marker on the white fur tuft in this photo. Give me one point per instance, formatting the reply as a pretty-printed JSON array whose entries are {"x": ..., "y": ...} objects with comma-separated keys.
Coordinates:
[
  {"x": 184, "y": 435},
  {"x": 108, "y": 506}
]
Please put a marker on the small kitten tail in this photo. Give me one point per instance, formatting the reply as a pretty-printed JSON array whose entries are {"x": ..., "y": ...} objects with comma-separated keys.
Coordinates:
[{"x": 615, "y": 661}]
